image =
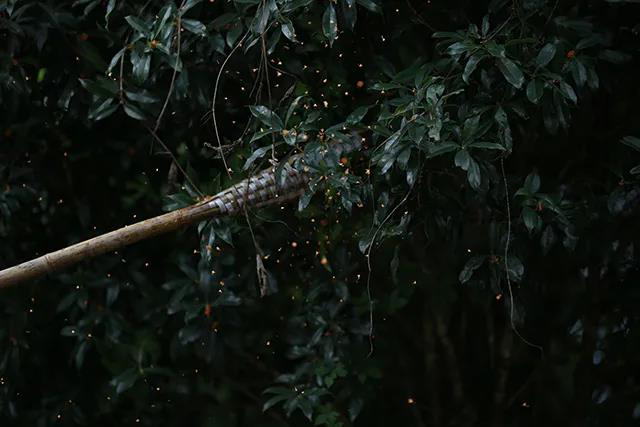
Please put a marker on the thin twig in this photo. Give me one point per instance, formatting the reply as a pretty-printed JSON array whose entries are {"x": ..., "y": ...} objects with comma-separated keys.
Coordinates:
[
  {"x": 175, "y": 160},
  {"x": 175, "y": 71},
  {"x": 213, "y": 102},
  {"x": 506, "y": 263},
  {"x": 368, "y": 256}
]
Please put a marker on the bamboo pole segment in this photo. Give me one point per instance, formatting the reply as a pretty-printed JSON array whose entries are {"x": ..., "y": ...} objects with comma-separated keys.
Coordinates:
[{"x": 256, "y": 191}]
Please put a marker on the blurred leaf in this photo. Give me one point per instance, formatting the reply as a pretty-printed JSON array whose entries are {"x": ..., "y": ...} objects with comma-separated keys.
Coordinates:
[
  {"x": 372, "y": 5},
  {"x": 472, "y": 265},
  {"x": 535, "y": 90},
  {"x": 632, "y": 142},
  {"x": 194, "y": 26}
]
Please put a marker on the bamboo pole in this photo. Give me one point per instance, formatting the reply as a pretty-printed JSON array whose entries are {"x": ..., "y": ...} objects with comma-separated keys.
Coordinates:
[
  {"x": 257, "y": 191},
  {"x": 104, "y": 243}
]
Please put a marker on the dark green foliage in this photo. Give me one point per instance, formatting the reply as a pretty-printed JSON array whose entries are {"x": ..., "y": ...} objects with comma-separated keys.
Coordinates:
[{"x": 487, "y": 204}]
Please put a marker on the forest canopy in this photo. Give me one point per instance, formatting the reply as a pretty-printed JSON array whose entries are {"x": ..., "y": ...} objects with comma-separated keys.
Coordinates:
[{"x": 463, "y": 252}]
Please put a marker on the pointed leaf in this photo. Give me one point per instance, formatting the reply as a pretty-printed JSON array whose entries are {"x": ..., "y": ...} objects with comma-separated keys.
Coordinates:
[
  {"x": 632, "y": 142},
  {"x": 138, "y": 24},
  {"x": 567, "y": 91},
  {"x": 473, "y": 174},
  {"x": 330, "y": 23},
  {"x": 530, "y": 218},
  {"x": 267, "y": 116},
  {"x": 194, "y": 26},
  {"x": 535, "y": 90},
  {"x": 472, "y": 265},
  {"x": 372, "y": 5},
  {"x": 462, "y": 159},
  {"x": 133, "y": 112},
  {"x": 472, "y": 63},
  {"x": 545, "y": 55},
  {"x": 260, "y": 152},
  {"x": 511, "y": 72},
  {"x": 287, "y": 29}
]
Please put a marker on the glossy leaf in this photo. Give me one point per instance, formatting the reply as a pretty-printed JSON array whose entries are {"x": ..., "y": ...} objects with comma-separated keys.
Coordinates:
[
  {"x": 330, "y": 23},
  {"x": 511, "y": 72}
]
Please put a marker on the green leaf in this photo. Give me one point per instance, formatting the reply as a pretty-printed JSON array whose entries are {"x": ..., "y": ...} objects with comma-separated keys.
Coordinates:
[
  {"x": 357, "y": 115},
  {"x": 138, "y": 24},
  {"x": 143, "y": 96},
  {"x": 511, "y": 72},
  {"x": 472, "y": 63},
  {"x": 296, "y": 4},
  {"x": 292, "y": 108},
  {"x": 457, "y": 48},
  {"x": 42, "y": 72},
  {"x": 110, "y": 7},
  {"x": 102, "y": 110},
  {"x": 275, "y": 400},
  {"x": 470, "y": 128},
  {"x": 355, "y": 407},
  {"x": 547, "y": 239},
  {"x": 614, "y": 56},
  {"x": 227, "y": 299},
  {"x": 267, "y": 116},
  {"x": 262, "y": 19},
  {"x": 80, "y": 353},
  {"x": 194, "y": 26},
  {"x": 545, "y": 55},
  {"x": 592, "y": 78},
  {"x": 306, "y": 408},
  {"x": 443, "y": 148},
  {"x": 189, "y": 334},
  {"x": 515, "y": 268},
  {"x": 330, "y": 23},
  {"x": 188, "y": 5},
  {"x": 567, "y": 91},
  {"x": 287, "y": 29},
  {"x": 532, "y": 183},
  {"x": 141, "y": 66},
  {"x": 115, "y": 59},
  {"x": 578, "y": 72},
  {"x": 473, "y": 174},
  {"x": 125, "y": 381},
  {"x": 133, "y": 112},
  {"x": 112, "y": 294},
  {"x": 261, "y": 134},
  {"x": 103, "y": 88},
  {"x": 372, "y": 5},
  {"x": 223, "y": 20},
  {"x": 257, "y": 154},
  {"x": 496, "y": 50},
  {"x": 234, "y": 34},
  {"x": 463, "y": 159},
  {"x": 535, "y": 90},
  {"x": 531, "y": 218},
  {"x": 472, "y": 265},
  {"x": 487, "y": 145},
  {"x": 632, "y": 142},
  {"x": 485, "y": 25},
  {"x": 304, "y": 200},
  {"x": 350, "y": 13}
]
